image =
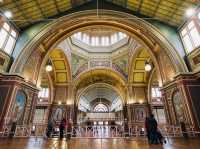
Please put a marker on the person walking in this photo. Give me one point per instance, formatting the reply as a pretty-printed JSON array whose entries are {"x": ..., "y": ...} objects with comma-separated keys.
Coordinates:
[
  {"x": 147, "y": 128},
  {"x": 69, "y": 129},
  {"x": 62, "y": 128},
  {"x": 13, "y": 128},
  {"x": 153, "y": 135},
  {"x": 49, "y": 129}
]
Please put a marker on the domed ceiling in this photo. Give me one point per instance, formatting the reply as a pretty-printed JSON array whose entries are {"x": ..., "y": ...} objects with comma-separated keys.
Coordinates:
[{"x": 99, "y": 40}]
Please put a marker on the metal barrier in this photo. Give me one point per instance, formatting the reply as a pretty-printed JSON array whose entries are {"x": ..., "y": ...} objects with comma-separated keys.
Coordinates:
[{"x": 99, "y": 131}]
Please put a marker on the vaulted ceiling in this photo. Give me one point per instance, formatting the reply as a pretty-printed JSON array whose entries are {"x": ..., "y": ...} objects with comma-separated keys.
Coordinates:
[
  {"x": 100, "y": 92},
  {"x": 58, "y": 60},
  {"x": 27, "y": 12},
  {"x": 139, "y": 73}
]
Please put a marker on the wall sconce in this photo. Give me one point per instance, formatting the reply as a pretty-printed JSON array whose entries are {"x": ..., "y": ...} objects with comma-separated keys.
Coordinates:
[
  {"x": 147, "y": 66},
  {"x": 49, "y": 67}
]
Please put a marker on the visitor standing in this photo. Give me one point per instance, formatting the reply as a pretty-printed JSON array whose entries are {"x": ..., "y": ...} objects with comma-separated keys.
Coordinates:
[
  {"x": 147, "y": 128},
  {"x": 152, "y": 126},
  {"x": 62, "y": 128},
  {"x": 49, "y": 129}
]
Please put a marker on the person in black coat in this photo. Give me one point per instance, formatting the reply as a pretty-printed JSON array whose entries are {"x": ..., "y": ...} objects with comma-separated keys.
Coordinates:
[{"x": 153, "y": 125}]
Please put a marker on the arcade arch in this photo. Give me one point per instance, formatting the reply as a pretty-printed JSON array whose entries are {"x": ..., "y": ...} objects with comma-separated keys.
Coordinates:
[{"x": 50, "y": 43}]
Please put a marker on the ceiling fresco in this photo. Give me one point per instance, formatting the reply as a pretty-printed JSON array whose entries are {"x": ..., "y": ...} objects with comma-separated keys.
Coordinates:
[
  {"x": 58, "y": 60},
  {"x": 76, "y": 63},
  {"x": 139, "y": 73}
]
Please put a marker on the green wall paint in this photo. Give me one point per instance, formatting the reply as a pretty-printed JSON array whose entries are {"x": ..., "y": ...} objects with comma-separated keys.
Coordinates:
[
  {"x": 26, "y": 36},
  {"x": 169, "y": 32}
]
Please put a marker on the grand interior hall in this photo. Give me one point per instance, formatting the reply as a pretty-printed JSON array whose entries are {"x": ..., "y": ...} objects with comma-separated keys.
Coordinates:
[{"x": 99, "y": 74}]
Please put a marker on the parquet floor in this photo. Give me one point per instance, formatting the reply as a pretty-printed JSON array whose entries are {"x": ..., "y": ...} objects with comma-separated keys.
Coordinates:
[{"x": 32, "y": 143}]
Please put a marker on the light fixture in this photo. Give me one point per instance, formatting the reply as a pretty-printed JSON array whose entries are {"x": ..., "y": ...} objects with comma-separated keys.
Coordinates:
[
  {"x": 48, "y": 67},
  {"x": 141, "y": 101},
  {"x": 8, "y": 14},
  {"x": 190, "y": 12},
  {"x": 59, "y": 102},
  {"x": 147, "y": 66}
]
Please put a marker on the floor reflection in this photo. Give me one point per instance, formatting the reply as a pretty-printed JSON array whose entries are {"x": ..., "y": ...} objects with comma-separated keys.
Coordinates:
[{"x": 39, "y": 143}]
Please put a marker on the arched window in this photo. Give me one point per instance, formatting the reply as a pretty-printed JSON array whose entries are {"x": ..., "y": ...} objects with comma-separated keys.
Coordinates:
[
  {"x": 156, "y": 94},
  {"x": 100, "y": 108},
  {"x": 102, "y": 41},
  {"x": 43, "y": 93}
]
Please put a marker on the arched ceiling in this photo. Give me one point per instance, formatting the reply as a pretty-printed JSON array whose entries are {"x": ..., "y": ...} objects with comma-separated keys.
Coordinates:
[
  {"x": 100, "y": 92},
  {"x": 60, "y": 67},
  {"x": 147, "y": 41},
  {"x": 99, "y": 75},
  {"x": 99, "y": 39},
  {"x": 140, "y": 76}
]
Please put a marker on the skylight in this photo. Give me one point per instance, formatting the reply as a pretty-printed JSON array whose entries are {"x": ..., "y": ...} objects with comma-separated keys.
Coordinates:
[{"x": 99, "y": 41}]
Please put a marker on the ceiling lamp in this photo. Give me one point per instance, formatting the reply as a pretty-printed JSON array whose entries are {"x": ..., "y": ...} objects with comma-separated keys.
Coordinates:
[
  {"x": 147, "y": 66},
  {"x": 49, "y": 67},
  {"x": 190, "y": 12},
  {"x": 8, "y": 14}
]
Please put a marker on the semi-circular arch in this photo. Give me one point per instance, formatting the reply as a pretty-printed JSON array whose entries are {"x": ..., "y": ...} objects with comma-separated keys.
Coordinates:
[{"x": 67, "y": 25}]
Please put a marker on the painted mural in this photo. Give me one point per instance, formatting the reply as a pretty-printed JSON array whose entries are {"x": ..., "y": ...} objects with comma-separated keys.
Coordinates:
[
  {"x": 19, "y": 106},
  {"x": 178, "y": 106},
  {"x": 58, "y": 113},
  {"x": 140, "y": 114}
]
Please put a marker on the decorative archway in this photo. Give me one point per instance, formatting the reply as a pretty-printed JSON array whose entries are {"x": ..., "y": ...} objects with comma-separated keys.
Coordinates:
[
  {"x": 100, "y": 75},
  {"x": 65, "y": 26},
  {"x": 144, "y": 33}
]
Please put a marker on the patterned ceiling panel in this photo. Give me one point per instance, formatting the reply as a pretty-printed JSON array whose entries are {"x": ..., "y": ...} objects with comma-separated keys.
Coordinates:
[
  {"x": 61, "y": 77},
  {"x": 143, "y": 54},
  {"x": 169, "y": 11},
  {"x": 139, "y": 65},
  {"x": 26, "y": 12},
  {"x": 59, "y": 64},
  {"x": 140, "y": 75}
]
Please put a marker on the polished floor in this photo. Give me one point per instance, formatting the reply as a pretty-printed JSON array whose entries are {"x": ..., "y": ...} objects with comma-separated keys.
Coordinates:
[{"x": 95, "y": 144}]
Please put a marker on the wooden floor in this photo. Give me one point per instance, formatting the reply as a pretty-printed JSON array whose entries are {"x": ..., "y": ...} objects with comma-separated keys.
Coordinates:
[{"x": 95, "y": 144}]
